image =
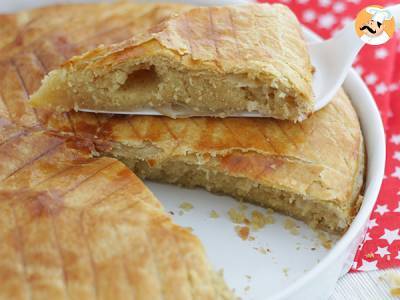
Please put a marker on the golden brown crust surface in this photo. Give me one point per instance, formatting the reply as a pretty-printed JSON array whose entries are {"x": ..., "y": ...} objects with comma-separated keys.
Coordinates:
[
  {"x": 256, "y": 51},
  {"x": 84, "y": 228},
  {"x": 74, "y": 226}
]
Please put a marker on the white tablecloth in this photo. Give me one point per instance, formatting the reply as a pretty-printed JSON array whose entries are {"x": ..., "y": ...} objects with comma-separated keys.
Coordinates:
[{"x": 364, "y": 286}]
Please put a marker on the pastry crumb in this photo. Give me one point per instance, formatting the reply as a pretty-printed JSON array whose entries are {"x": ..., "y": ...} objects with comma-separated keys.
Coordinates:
[
  {"x": 395, "y": 292},
  {"x": 291, "y": 226},
  {"x": 242, "y": 207},
  {"x": 251, "y": 238},
  {"x": 369, "y": 255},
  {"x": 285, "y": 271},
  {"x": 242, "y": 232},
  {"x": 270, "y": 211},
  {"x": 324, "y": 239},
  {"x": 237, "y": 217},
  {"x": 259, "y": 220},
  {"x": 393, "y": 279},
  {"x": 214, "y": 214},
  {"x": 248, "y": 277},
  {"x": 186, "y": 206},
  {"x": 262, "y": 250}
]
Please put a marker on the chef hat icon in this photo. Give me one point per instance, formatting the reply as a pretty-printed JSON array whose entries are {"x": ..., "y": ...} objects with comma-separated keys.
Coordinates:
[{"x": 378, "y": 14}]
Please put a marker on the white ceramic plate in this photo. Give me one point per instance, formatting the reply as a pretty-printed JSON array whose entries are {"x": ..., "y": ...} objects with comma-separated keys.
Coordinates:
[{"x": 276, "y": 264}]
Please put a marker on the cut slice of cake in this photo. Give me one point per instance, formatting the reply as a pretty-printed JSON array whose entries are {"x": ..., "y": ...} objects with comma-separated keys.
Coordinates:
[
  {"x": 82, "y": 228},
  {"x": 205, "y": 61},
  {"x": 313, "y": 170}
]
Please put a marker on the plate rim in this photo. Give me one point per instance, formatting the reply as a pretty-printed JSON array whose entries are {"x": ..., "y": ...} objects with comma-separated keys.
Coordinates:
[{"x": 373, "y": 181}]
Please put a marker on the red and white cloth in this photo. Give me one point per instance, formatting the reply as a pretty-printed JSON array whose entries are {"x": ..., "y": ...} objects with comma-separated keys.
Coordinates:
[{"x": 379, "y": 67}]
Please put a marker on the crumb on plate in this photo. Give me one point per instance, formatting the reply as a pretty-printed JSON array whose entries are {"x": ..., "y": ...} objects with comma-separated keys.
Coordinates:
[
  {"x": 291, "y": 226},
  {"x": 236, "y": 216},
  {"x": 186, "y": 206},
  {"x": 324, "y": 239},
  {"x": 242, "y": 232},
  {"x": 285, "y": 271},
  {"x": 214, "y": 214}
]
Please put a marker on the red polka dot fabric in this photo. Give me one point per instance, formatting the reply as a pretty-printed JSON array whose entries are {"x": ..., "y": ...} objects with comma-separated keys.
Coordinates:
[{"x": 379, "y": 66}]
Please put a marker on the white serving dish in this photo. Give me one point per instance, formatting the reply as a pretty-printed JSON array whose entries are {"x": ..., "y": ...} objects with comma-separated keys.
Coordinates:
[{"x": 309, "y": 274}]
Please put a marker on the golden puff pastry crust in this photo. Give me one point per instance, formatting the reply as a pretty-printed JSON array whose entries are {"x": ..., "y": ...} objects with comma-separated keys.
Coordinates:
[
  {"x": 312, "y": 170},
  {"x": 74, "y": 226},
  {"x": 78, "y": 227},
  {"x": 328, "y": 146},
  {"x": 206, "y": 60}
]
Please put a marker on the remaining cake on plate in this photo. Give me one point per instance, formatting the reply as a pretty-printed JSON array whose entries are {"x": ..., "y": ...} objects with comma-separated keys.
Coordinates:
[
  {"x": 204, "y": 61},
  {"x": 82, "y": 228},
  {"x": 75, "y": 225}
]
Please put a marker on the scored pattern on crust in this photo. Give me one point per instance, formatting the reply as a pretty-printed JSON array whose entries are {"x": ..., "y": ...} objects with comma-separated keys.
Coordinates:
[
  {"x": 74, "y": 226},
  {"x": 71, "y": 225}
]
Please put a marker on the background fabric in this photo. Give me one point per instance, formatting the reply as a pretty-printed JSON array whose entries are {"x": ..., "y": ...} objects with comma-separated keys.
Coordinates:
[{"x": 379, "y": 66}]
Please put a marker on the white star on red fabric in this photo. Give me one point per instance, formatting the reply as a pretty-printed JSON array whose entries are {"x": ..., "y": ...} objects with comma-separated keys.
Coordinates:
[
  {"x": 381, "y": 53},
  {"x": 359, "y": 69},
  {"x": 382, "y": 252},
  {"x": 372, "y": 223},
  {"x": 367, "y": 237},
  {"x": 346, "y": 20},
  {"x": 368, "y": 265},
  {"x": 371, "y": 78},
  {"x": 390, "y": 235},
  {"x": 395, "y": 139},
  {"x": 398, "y": 208},
  {"x": 393, "y": 87},
  {"x": 396, "y": 155},
  {"x": 309, "y": 15},
  {"x": 339, "y": 7},
  {"x": 396, "y": 173},
  {"x": 381, "y": 89},
  {"x": 324, "y": 3},
  {"x": 382, "y": 209},
  {"x": 326, "y": 21}
]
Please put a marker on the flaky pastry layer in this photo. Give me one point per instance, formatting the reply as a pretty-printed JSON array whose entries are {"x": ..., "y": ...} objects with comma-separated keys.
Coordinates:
[{"x": 205, "y": 61}]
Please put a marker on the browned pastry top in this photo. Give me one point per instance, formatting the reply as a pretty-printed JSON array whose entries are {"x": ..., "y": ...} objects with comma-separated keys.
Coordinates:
[
  {"x": 74, "y": 226},
  {"x": 261, "y": 40},
  {"x": 82, "y": 228}
]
